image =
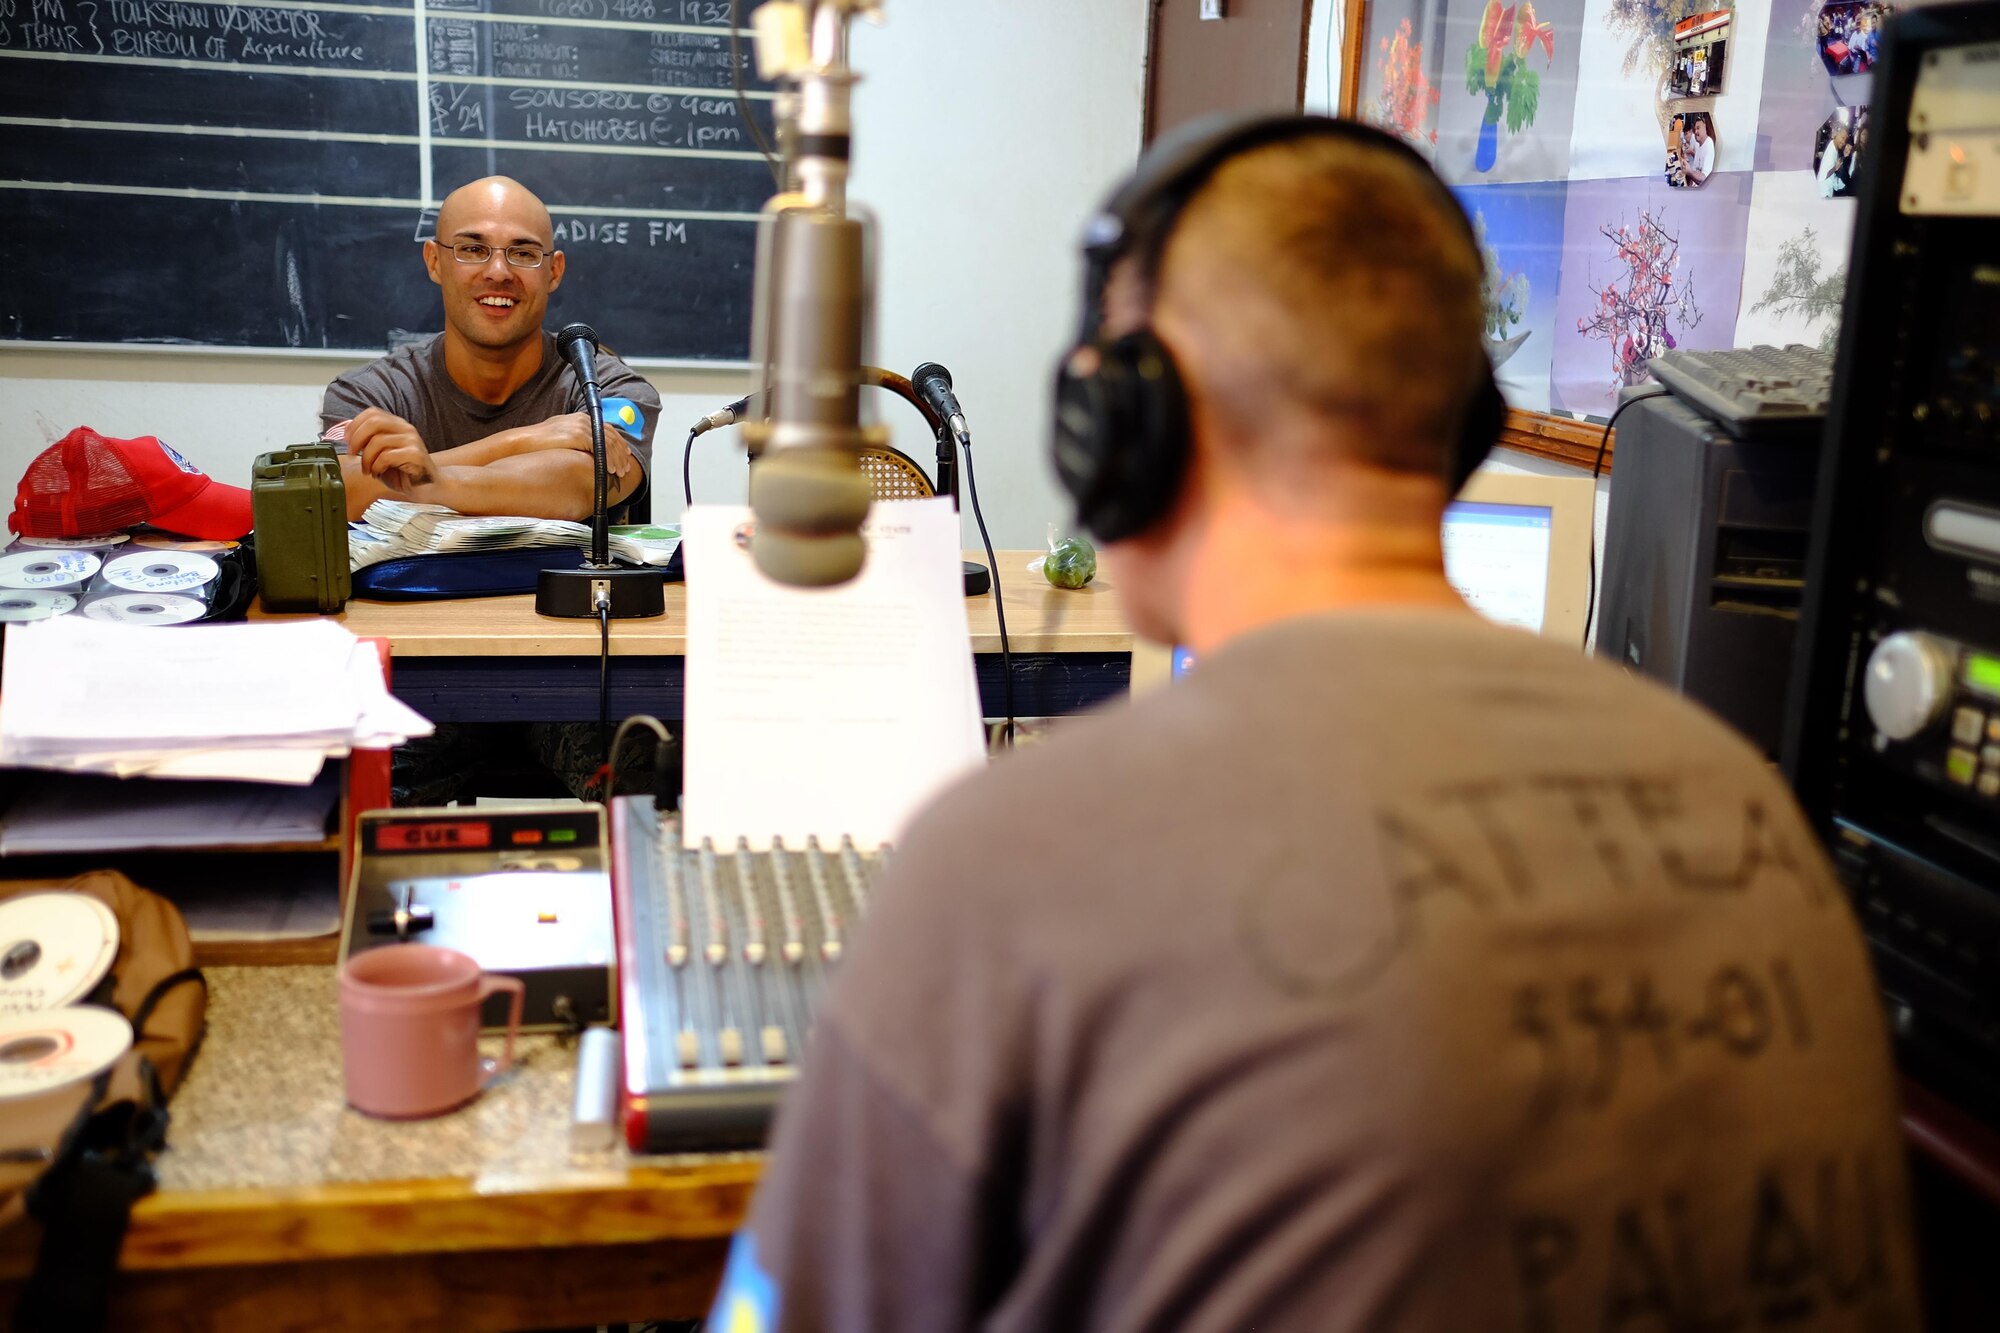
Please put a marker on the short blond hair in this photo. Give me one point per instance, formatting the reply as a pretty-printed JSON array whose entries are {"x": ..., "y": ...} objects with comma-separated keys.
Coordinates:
[{"x": 1338, "y": 277}]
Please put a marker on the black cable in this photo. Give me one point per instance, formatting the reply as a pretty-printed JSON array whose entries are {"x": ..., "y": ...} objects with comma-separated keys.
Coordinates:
[
  {"x": 1596, "y": 469},
  {"x": 687, "y": 474},
  {"x": 743, "y": 99},
  {"x": 618, "y": 743},
  {"x": 604, "y": 676},
  {"x": 999, "y": 608}
]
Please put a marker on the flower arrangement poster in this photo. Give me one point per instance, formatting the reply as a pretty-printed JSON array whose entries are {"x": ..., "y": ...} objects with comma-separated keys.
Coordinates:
[
  {"x": 1522, "y": 225},
  {"x": 1507, "y": 94},
  {"x": 1675, "y": 278},
  {"x": 1795, "y": 258}
]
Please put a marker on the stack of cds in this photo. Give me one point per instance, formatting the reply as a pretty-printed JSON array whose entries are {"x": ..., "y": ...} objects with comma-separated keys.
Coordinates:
[
  {"x": 54, "y": 950},
  {"x": 151, "y": 581}
]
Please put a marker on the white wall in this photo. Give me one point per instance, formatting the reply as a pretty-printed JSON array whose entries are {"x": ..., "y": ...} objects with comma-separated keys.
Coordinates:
[
  {"x": 1323, "y": 51},
  {"x": 984, "y": 134}
]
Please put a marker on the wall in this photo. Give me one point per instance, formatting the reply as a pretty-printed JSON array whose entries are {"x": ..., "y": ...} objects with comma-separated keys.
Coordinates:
[
  {"x": 1323, "y": 53},
  {"x": 985, "y": 133}
]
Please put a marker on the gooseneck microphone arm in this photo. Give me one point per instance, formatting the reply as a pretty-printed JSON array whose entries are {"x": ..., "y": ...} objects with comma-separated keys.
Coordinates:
[
  {"x": 577, "y": 343},
  {"x": 875, "y": 377},
  {"x": 599, "y": 589}
]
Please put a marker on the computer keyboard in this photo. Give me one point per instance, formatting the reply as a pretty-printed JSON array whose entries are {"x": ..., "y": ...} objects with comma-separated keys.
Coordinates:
[{"x": 1752, "y": 391}]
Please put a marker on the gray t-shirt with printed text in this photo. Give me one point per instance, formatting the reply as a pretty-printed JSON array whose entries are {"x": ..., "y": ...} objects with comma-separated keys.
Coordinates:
[{"x": 1393, "y": 971}]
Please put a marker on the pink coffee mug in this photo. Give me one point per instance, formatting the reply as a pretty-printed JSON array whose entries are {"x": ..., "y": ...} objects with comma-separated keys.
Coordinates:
[{"x": 409, "y": 1029}]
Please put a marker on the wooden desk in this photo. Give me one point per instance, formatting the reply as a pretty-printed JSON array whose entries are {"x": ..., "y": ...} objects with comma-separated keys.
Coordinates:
[
  {"x": 493, "y": 659},
  {"x": 279, "y": 1208}
]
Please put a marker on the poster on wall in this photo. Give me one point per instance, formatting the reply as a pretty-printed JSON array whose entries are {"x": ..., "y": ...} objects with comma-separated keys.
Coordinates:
[
  {"x": 1795, "y": 256},
  {"x": 1510, "y": 115},
  {"x": 1520, "y": 229},
  {"x": 1643, "y": 65},
  {"x": 1401, "y": 87},
  {"x": 1799, "y": 92},
  {"x": 1645, "y": 175},
  {"x": 1664, "y": 271}
]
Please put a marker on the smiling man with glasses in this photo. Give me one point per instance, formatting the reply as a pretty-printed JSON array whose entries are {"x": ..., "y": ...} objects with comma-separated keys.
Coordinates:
[{"x": 485, "y": 418}]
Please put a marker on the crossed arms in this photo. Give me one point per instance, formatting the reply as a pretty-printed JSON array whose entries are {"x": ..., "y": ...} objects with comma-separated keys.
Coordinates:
[{"x": 542, "y": 471}]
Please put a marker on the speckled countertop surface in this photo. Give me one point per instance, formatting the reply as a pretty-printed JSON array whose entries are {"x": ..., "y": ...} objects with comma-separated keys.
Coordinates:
[{"x": 262, "y": 1107}]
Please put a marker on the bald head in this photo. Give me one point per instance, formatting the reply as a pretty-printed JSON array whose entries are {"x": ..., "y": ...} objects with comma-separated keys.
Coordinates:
[
  {"x": 1325, "y": 294},
  {"x": 496, "y": 196},
  {"x": 495, "y": 263}
]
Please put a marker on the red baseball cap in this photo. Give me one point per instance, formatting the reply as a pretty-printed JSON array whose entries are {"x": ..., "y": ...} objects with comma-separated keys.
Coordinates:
[{"x": 85, "y": 484}]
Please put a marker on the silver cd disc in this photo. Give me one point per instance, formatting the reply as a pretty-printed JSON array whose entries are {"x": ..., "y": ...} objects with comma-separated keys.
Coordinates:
[
  {"x": 18, "y": 604},
  {"x": 54, "y": 947},
  {"x": 146, "y": 608},
  {"x": 153, "y": 541},
  {"x": 42, "y": 1052},
  {"x": 159, "y": 571},
  {"x": 46, "y": 569},
  {"x": 104, "y": 542}
]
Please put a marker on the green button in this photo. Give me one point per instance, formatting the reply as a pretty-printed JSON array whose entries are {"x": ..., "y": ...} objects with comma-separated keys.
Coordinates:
[
  {"x": 569, "y": 834},
  {"x": 1961, "y": 766},
  {"x": 1982, "y": 673}
]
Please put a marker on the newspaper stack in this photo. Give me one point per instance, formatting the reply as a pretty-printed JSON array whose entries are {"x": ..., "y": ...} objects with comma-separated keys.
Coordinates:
[
  {"x": 260, "y": 702},
  {"x": 392, "y": 529}
]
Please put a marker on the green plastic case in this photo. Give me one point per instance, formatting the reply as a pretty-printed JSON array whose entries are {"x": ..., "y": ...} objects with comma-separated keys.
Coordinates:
[{"x": 299, "y": 505}]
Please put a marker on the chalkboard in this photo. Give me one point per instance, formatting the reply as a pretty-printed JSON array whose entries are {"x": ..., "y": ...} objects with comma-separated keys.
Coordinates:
[{"x": 255, "y": 176}]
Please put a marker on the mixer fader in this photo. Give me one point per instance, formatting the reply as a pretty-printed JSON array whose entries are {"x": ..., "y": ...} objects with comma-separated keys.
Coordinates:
[{"x": 723, "y": 957}]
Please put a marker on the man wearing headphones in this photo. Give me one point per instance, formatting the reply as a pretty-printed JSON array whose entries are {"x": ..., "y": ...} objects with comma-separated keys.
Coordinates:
[{"x": 1394, "y": 970}]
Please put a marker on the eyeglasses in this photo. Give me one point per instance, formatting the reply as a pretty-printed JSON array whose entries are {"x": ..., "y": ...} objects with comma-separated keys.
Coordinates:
[{"x": 519, "y": 256}]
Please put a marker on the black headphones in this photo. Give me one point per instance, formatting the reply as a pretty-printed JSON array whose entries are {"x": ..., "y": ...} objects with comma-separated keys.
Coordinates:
[{"x": 1121, "y": 429}]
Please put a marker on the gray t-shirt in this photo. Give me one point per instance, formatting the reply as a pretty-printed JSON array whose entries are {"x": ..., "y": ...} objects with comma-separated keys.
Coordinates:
[
  {"x": 412, "y": 383},
  {"x": 1394, "y": 971}
]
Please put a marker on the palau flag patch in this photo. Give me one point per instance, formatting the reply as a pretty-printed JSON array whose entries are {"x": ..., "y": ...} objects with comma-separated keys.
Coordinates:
[
  {"x": 625, "y": 415},
  {"x": 748, "y": 1301}
]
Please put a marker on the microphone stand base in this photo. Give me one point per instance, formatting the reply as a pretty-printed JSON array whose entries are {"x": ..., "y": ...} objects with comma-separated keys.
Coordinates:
[
  {"x": 635, "y": 594},
  {"x": 977, "y": 579}
]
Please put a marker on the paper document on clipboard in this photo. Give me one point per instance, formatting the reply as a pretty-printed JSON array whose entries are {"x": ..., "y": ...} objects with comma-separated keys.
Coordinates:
[{"x": 825, "y": 711}]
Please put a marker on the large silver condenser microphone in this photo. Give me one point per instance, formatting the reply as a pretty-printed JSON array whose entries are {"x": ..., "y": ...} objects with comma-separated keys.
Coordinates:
[{"x": 807, "y": 490}]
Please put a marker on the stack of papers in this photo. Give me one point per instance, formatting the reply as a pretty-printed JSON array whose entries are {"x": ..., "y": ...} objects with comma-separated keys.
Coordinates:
[
  {"x": 826, "y": 712},
  {"x": 78, "y": 813},
  {"x": 261, "y": 703},
  {"x": 392, "y": 529}
]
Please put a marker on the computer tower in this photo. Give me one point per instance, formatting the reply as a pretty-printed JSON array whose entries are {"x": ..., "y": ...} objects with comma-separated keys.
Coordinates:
[{"x": 1704, "y": 561}]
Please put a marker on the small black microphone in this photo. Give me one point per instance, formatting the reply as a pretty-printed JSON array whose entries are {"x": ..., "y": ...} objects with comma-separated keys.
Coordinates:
[
  {"x": 933, "y": 382},
  {"x": 577, "y": 344}
]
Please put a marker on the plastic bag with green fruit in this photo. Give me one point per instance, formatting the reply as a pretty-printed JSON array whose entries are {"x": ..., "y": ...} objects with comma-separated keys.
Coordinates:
[{"x": 1070, "y": 563}]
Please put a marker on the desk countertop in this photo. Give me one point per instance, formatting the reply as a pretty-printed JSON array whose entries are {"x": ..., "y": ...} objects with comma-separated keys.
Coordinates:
[
  {"x": 267, "y": 1165},
  {"x": 262, "y": 1105},
  {"x": 1040, "y": 619}
]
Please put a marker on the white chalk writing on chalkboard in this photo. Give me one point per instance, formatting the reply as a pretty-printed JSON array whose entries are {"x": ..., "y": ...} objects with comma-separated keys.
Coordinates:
[{"x": 300, "y": 141}]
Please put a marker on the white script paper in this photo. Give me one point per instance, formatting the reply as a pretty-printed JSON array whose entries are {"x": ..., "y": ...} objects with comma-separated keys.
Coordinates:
[{"x": 825, "y": 711}]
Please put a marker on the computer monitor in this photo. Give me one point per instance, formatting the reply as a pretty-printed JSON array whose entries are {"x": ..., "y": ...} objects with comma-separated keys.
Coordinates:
[{"x": 1516, "y": 546}]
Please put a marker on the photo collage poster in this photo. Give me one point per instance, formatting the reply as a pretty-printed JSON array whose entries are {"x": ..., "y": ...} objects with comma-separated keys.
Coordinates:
[{"x": 1643, "y": 174}]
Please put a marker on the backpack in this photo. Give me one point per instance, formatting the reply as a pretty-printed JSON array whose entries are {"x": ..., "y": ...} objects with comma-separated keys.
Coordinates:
[{"x": 75, "y": 1159}]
